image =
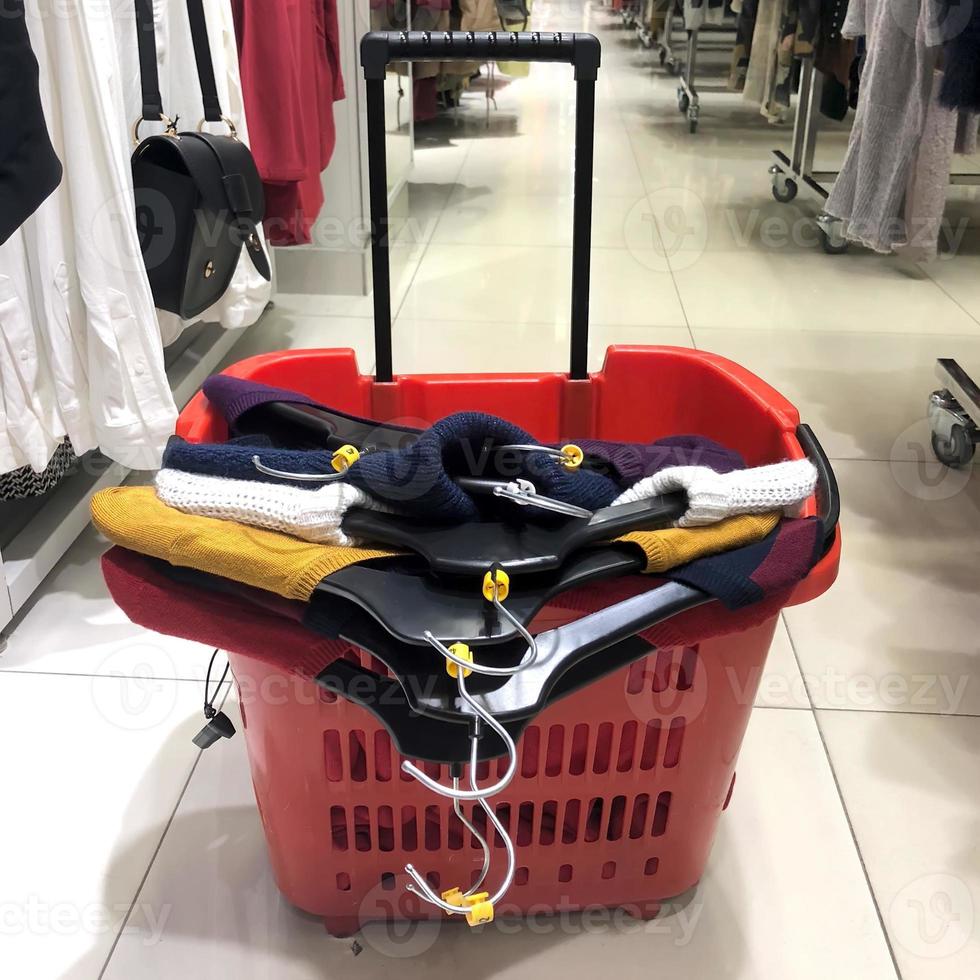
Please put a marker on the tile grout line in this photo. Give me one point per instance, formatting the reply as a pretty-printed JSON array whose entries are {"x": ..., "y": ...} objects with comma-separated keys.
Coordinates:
[
  {"x": 156, "y": 851},
  {"x": 952, "y": 299},
  {"x": 857, "y": 848},
  {"x": 663, "y": 251},
  {"x": 796, "y": 657},
  {"x": 843, "y": 806}
]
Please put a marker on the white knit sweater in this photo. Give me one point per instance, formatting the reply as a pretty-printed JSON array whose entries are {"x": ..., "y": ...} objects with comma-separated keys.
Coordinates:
[
  {"x": 313, "y": 515},
  {"x": 711, "y": 496}
]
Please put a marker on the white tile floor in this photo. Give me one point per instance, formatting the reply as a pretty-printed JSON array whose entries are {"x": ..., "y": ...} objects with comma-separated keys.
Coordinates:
[{"x": 850, "y": 849}]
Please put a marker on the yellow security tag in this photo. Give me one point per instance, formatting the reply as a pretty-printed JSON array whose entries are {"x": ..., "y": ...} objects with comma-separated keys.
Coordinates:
[
  {"x": 462, "y": 651},
  {"x": 344, "y": 458},
  {"x": 481, "y": 911},
  {"x": 453, "y": 897},
  {"x": 573, "y": 456},
  {"x": 496, "y": 583}
]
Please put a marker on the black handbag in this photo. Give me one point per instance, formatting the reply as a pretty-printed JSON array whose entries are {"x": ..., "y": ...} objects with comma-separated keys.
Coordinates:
[{"x": 199, "y": 197}]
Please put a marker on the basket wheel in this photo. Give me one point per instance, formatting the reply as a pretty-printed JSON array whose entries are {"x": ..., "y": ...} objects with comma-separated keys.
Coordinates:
[{"x": 957, "y": 451}]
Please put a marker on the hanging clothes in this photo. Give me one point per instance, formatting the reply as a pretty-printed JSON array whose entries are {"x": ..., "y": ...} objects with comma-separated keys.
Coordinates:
[
  {"x": 784, "y": 31},
  {"x": 960, "y": 29},
  {"x": 93, "y": 360},
  {"x": 92, "y": 310},
  {"x": 891, "y": 189},
  {"x": 291, "y": 77},
  {"x": 697, "y": 13},
  {"x": 747, "y": 14},
  {"x": 30, "y": 425},
  {"x": 29, "y": 168}
]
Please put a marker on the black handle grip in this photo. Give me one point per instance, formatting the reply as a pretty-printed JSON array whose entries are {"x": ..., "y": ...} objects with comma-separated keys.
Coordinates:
[
  {"x": 828, "y": 494},
  {"x": 379, "y": 48}
]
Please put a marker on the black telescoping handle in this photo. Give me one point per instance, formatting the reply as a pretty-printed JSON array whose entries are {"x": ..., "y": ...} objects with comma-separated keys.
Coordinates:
[{"x": 378, "y": 49}]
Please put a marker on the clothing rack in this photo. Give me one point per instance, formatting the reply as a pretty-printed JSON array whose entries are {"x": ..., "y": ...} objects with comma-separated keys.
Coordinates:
[
  {"x": 688, "y": 99},
  {"x": 688, "y": 93},
  {"x": 792, "y": 172}
]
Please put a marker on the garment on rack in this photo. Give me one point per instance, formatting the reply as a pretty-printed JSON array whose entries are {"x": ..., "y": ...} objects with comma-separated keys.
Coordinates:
[
  {"x": 748, "y": 13},
  {"x": 26, "y": 482},
  {"x": 29, "y": 168},
  {"x": 711, "y": 497},
  {"x": 291, "y": 76},
  {"x": 666, "y": 549},
  {"x": 310, "y": 512},
  {"x": 886, "y": 150},
  {"x": 151, "y": 600},
  {"x": 31, "y": 428},
  {"x": 74, "y": 271},
  {"x": 925, "y": 197},
  {"x": 90, "y": 305},
  {"x": 136, "y": 518},
  {"x": 834, "y": 53},
  {"x": 697, "y": 13},
  {"x": 784, "y": 31},
  {"x": 959, "y": 27}
]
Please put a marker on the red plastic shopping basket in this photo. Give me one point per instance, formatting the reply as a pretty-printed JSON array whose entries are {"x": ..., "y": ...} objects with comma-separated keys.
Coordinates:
[{"x": 620, "y": 785}]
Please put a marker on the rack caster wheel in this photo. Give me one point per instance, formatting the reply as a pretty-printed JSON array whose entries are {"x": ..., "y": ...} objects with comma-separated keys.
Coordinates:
[
  {"x": 955, "y": 452},
  {"x": 832, "y": 244},
  {"x": 683, "y": 101},
  {"x": 784, "y": 189},
  {"x": 832, "y": 240}
]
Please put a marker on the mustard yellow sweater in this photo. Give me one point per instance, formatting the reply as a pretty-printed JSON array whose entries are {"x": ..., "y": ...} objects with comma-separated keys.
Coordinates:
[
  {"x": 678, "y": 545},
  {"x": 136, "y": 519}
]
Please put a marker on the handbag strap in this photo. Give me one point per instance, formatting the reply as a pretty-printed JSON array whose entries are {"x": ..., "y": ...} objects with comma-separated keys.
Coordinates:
[
  {"x": 149, "y": 73},
  {"x": 147, "y": 45},
  {"x": 202, "y": 55}
]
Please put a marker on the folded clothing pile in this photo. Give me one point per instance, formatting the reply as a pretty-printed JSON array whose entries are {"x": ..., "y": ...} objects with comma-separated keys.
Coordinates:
[{"x": 240, "y": 512}]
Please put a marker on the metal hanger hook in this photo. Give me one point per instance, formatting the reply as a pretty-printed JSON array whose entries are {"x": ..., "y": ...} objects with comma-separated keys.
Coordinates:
[
  {"x": 476, "y": 793},
  {"x": 342, "y": 460}
]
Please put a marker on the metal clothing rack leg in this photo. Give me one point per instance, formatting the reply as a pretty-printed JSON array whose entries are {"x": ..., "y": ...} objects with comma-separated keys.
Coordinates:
[
  {"x": 791, "y": 172},
  {"x": 688, "y": 97}
]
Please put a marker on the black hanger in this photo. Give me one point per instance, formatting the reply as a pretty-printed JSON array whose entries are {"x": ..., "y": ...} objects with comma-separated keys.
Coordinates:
[
  {"x": 429, "y": 690},
  {"x": 423, "y": 714},
  {"x": 295, "y": 426},
  {"x": 517, "y": 548},
  {"x": 401, "y": 595}
]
